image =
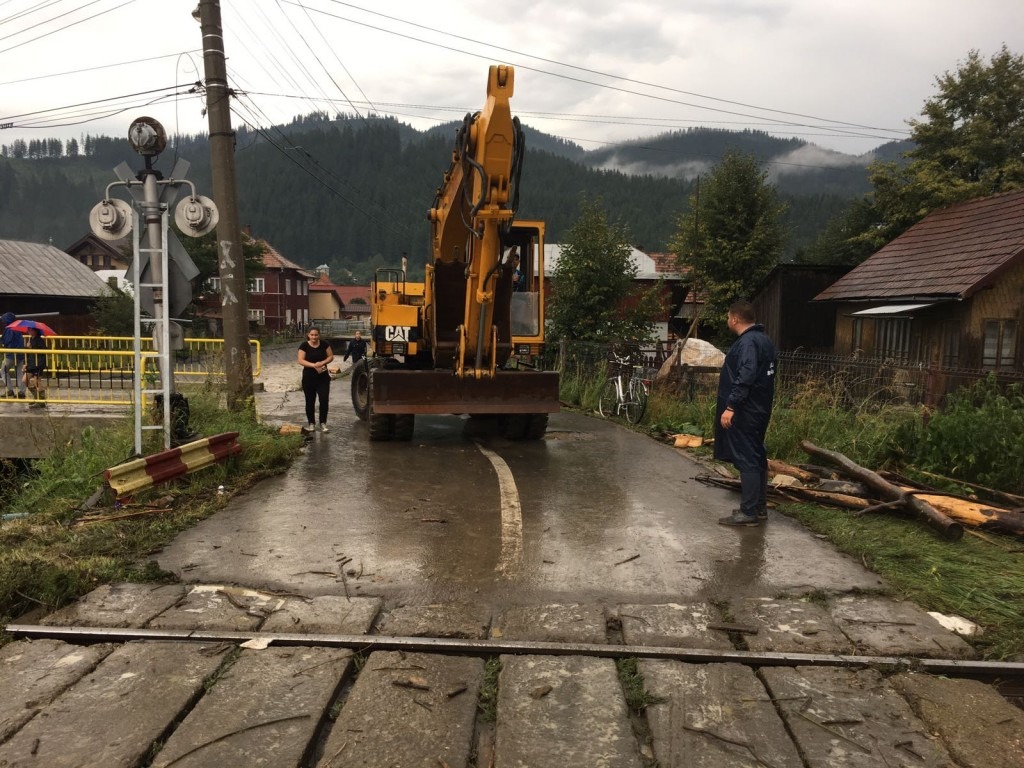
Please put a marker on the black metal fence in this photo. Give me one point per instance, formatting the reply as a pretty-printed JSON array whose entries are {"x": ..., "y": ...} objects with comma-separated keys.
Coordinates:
[{"x": 856, "y": 380}]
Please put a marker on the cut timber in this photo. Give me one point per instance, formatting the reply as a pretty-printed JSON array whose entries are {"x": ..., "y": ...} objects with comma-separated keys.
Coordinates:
[
  {"x": 949, "y": 528},
  {"x": 976, "y": 515},
  {"x": 776, "y": 467}
]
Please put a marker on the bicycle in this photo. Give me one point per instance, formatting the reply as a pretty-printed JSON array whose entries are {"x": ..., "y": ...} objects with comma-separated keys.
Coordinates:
[{"x": 625, "y": 393}]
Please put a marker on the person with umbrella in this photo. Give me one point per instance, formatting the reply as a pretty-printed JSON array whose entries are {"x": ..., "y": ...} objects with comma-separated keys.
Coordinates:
[
  {"x": 13, "y": 363},
  {"x": 35, "y": 365}
]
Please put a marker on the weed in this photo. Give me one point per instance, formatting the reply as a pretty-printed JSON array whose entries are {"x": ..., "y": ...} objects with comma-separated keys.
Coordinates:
[
  {"x": 637, "y": 697},
  {"x": 487, "y": 704}
]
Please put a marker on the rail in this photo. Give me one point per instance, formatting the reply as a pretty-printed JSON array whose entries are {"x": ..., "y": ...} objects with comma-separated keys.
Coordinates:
[{"x": 100, "y": 370}]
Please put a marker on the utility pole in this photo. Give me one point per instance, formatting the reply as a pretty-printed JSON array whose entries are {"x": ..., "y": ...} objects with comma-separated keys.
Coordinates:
[{"x": 230, "y": 263}]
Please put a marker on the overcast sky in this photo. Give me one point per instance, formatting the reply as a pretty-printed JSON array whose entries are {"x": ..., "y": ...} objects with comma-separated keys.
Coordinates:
[{"x": 844, "y": 74}]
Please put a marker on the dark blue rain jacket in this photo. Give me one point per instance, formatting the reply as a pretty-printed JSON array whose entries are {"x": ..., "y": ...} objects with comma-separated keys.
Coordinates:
[{"x": 747, "y": 385}]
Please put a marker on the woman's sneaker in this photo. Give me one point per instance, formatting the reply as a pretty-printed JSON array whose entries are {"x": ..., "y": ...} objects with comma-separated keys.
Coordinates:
[{"x": 323, "y": 428}]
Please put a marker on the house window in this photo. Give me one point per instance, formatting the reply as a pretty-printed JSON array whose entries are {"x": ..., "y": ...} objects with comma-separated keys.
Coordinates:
[
  {"x": 999, "y": 350},
  {"x": 287, "y": 287},
  {"x": 893, "y": 339},
  {"x": 257, "y": 285},
  {"x": 258, "y": 316},
  {"x": 213, "y": 284}
]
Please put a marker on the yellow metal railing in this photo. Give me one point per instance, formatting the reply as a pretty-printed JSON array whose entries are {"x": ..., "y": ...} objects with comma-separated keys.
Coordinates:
[{"x": 100, "y": 370}]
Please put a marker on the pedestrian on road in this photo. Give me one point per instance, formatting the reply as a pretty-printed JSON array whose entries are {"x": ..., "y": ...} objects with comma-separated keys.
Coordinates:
[
  {"x": 314, "y": 357},
  {"x": 12, "y": 364},
  {"x": 746, "y": 391},
  {"x": 35, "y": 365},
  {"x": 356, "y": 349}
]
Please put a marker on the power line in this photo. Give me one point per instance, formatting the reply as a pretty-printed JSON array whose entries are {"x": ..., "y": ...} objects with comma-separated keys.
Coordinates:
[
  {"x": 602, "y": 74},
  {"x": 67, "y": 26},
  {"x": 98, "y": 67},
  {"x": 88, "y": 103}
]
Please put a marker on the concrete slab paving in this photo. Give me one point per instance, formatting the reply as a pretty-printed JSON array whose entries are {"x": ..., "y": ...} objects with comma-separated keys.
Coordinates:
[
  {"x": 562, "y": 712},
  {"x": 213, "y": 606},
  {"x": 846, "y": 717},
  {"x": 263, "y": 711},
  {"x": 977, "y": 725},
  {"x": 111, "y": 718},
  {"x": 569, "y": 623},
  {"x": 714, "y": 716},
  {"x": 34, "y": 672},
  {"x": 411, "y": 710},
  {"x": 672, "y": 625},
  {"x": 117, "y": 605},
  {"x": 785, "y": 625},
  {"x": 463, "y": 620},
  {"x": 891, "y": 628},
  {"x": 329, "y": 614}
]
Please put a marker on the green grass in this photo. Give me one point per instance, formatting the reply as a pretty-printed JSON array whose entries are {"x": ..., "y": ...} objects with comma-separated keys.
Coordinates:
[
  {"x": 48, "y": 559},
  {"x": 487, "y": 704}
]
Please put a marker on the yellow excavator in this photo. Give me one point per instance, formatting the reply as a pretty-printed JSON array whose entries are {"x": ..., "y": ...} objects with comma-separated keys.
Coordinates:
[{"x": 462, "y": 341}]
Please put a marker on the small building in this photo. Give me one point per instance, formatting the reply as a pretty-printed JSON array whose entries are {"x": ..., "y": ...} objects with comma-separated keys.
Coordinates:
[
  {"x": 785, "y": 305},
  {"x": 38, "y": 280},
  {"x": 328, "y": 301},
  {"x": 99, "y": 255},
  {"x": 948, "y": 292}
]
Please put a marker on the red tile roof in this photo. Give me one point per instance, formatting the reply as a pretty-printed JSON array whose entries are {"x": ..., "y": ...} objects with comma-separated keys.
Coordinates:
[
  {"x": 274, "y": 260},
  {"x": 951, "y": 253}
]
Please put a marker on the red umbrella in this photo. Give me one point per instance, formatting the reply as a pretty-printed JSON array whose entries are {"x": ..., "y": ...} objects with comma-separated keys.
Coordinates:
[{"x": 24, "y": 326}]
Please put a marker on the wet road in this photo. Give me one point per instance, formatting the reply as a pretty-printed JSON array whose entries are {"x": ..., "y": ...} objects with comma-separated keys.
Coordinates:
[{"x": 594, "y": 512}]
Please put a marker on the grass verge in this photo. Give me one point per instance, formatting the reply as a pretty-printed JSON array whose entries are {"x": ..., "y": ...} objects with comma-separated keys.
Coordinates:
[{"x": 53, "y": 555}]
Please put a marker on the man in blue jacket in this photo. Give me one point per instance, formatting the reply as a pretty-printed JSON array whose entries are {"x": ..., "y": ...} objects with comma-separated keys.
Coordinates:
[
  {"x": 746, "y": 390},
  {"x": 11, "y": 363}
]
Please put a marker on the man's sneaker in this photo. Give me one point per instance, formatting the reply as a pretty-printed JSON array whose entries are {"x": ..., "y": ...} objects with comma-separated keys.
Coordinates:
[
  {"x": 323, "y": 428},
  {"x": 739, "y": 521},
  {"x": 762, "y": 513},
  {"x": 21, "y": 395}
]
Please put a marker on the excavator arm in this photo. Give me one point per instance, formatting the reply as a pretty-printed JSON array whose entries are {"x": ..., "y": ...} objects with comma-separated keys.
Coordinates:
[{"x": 473, "y": 209}]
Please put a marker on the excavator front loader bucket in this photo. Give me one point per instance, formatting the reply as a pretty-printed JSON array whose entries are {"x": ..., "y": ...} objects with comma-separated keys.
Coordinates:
[{"x": 403, "y": 391}]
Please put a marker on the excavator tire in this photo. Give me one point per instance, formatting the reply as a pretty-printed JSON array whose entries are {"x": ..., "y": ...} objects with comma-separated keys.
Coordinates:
[
  {"x": 537, "y": 426},
  {"x": 381, "y": 426},
  {"x": 404, "y": 425},
  {"x": 361, "y": 389},
  {"x": 514, "y": 425}
]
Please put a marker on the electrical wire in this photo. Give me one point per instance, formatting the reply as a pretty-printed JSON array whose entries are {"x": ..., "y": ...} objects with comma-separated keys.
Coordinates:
[
  {"x": 845, "y": 131},
  {"x": 68, "y": 26}
]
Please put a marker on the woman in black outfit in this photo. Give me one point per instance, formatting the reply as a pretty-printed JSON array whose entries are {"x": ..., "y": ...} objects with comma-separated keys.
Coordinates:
[{"x": 314, "y": 357}]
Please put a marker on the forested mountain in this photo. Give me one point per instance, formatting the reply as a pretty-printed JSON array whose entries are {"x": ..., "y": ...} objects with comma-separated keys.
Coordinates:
[{"x": 354, "y": 193}]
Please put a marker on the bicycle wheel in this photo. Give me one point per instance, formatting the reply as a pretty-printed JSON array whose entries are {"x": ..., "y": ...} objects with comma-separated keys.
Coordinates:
[
  {"x": 609, "y": 399},
  {"x": 637, "y": 402}
]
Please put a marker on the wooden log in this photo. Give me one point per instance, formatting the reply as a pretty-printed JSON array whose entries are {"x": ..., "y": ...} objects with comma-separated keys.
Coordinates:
[
  {"x": 975, "y": 514},
  {"x": 946, "y": 526},
  {"x": 776, "y": 467}
]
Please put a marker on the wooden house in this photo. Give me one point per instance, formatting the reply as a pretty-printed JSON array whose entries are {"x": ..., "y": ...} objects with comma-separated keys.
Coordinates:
[
  {"x": 41, "y": 281},
  {"x": 948, "y": 292}
]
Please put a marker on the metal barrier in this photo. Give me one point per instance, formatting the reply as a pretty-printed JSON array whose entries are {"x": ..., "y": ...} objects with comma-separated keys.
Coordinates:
[
  {"x": 100, "y": 370},
  {"x": 170, "y": 464}
]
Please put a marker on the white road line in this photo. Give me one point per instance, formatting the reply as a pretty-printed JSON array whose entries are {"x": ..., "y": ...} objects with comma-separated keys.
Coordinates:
[{"x": 510, "y": 561}]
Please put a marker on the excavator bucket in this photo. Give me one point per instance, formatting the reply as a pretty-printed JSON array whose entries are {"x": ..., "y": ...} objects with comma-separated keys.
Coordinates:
[{"x": 402, "y": 391}]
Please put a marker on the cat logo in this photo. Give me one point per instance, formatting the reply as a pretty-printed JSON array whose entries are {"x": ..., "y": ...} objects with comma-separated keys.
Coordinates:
[{"x": 396, "y": 333}]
